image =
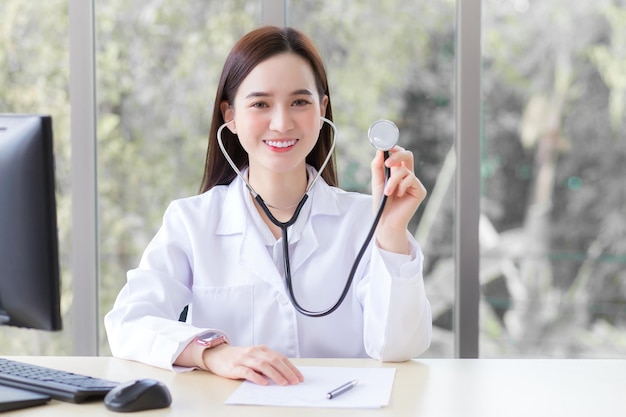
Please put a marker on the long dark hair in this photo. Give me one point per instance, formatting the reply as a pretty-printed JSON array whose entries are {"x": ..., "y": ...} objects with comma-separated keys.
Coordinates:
[{"x": 248, "y": 52}]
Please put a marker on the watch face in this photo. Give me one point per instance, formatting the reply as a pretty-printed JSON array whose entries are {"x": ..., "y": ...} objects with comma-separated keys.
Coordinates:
[{"x": 210, "y": 339}]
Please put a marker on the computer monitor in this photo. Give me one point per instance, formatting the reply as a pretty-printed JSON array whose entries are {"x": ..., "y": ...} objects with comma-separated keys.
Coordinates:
[{"x": 29, "y": 260}]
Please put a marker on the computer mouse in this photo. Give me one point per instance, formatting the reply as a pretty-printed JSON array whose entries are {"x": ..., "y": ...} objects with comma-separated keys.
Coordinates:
[{"x": 138, "y": 395}]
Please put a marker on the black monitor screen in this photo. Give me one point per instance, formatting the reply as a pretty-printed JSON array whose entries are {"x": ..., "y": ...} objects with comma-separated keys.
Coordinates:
[{"x": 29, "y": 263}]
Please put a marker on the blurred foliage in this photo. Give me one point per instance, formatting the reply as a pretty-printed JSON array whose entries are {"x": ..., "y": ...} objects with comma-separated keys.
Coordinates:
[
  {"x": 553, "y": 229},
  {"x": 553, "y": 267}
]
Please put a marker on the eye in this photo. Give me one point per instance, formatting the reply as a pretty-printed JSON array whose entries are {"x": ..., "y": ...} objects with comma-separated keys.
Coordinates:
[
  {"x": 301, "y": 102},
  {"x": 259, "y": 105}
]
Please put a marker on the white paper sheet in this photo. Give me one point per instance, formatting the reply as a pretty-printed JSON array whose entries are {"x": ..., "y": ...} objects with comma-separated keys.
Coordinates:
[{"x": 372, "y": 391}]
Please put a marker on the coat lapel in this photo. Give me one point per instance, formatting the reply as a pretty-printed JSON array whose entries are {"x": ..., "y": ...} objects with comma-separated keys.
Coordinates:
[
  {"x": 322, "y": 201},
  {"x": 235, "y": 220},
  {"x": 254, "y": 256}
]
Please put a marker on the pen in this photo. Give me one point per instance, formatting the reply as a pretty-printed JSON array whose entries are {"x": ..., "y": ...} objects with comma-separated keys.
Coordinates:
[{"x": 340, "y": 390}]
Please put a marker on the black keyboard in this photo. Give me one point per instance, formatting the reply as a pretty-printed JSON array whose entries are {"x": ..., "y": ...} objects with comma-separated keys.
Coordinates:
[{"x": 60, "y": 385}]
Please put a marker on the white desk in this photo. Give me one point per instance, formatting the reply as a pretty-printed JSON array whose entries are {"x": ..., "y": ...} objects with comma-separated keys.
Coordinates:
[{"x": 433, "y": 387}]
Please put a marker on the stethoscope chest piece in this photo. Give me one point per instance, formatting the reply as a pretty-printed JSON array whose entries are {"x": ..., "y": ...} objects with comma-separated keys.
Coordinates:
[{"x": 383, "y": 134}]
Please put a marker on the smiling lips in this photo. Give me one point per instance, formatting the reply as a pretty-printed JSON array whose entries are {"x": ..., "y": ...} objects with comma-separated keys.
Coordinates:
[{"x": 281, "y": 144}]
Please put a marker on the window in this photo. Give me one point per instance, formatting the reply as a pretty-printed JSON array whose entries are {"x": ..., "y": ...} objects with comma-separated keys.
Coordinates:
[
  {"x": 553, "y": 228},
  {"x": 552, "y": 160}
]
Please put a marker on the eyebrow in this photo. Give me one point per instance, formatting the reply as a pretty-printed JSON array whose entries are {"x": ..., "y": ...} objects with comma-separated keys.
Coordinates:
[{"x": 303, "y": 91}]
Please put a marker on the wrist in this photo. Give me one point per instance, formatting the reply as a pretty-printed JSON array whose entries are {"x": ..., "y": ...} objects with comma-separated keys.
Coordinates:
[
  {"x": 393, "y": 241},
  {"x": 205, "y": 343},
  {"x": 207, "y": 355}
]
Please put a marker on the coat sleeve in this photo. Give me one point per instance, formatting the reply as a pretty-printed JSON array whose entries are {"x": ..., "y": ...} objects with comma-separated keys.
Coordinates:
[
  {"x": 143, "y": 323},
  {"x": 397, "y": 314}
]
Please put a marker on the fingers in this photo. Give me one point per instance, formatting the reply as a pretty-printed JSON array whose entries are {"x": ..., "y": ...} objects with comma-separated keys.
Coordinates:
[
  {"x": 400, "y": 156},
  {"x": 257, "y": 364},
  {"x": 403, "y": 180},
  {"x": 249, "y": 374},
  {"x": 270, "y": 365},
  {"x": 378, "y": 173}
]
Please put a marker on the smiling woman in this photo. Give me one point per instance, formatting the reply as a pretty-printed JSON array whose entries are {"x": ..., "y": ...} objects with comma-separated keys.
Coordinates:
[{"x": 273, "y": 107}]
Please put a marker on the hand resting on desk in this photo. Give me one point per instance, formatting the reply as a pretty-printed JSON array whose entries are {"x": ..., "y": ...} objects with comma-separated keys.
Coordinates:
[{"x": 257, "y": 364}]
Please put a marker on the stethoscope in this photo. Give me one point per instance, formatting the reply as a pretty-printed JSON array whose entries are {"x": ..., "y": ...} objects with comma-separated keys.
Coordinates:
[{"x": 383, "y": 135}]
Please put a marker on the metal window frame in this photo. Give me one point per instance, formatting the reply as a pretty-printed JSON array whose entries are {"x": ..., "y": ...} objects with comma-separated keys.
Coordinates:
[
  {"x": 84, "y": 180},
  {"x": 467, "y": 142}
]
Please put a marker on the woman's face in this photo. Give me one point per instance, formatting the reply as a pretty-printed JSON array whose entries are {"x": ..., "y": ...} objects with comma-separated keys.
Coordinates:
[{"x": 276, "y": 114}]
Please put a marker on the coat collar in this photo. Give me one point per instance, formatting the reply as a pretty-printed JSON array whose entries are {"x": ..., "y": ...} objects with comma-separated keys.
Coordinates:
[
  {"x": 254, "y": 256},
  {"x": 322, "y": 199}
]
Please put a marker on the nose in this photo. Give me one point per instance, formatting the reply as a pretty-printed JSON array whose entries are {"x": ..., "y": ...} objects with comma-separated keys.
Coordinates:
[{"x": 281, "y": 120}]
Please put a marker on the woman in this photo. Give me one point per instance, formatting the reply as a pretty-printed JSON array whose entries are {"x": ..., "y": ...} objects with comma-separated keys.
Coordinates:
[{"x": 219, "y": 253}]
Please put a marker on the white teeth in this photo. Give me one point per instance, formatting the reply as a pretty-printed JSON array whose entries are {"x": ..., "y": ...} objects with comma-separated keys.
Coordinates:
[{"x": 281, "y": 144}]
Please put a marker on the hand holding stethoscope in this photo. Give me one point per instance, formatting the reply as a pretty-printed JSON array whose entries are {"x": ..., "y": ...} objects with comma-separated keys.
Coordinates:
[{"x": 403, "y": 189}]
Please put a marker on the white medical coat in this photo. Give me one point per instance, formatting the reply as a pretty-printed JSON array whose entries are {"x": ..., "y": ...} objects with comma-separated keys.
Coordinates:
[{"x": 212, "y": 254}]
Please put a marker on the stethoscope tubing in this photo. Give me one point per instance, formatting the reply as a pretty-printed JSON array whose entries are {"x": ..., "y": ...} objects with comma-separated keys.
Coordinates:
[
  {"x": 284, "y": 225},
  {"x": 353, "y": 270}
]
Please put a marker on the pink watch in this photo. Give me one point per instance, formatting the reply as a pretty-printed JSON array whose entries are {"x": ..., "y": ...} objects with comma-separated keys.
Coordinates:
[{"x": 211, "y": 339}]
